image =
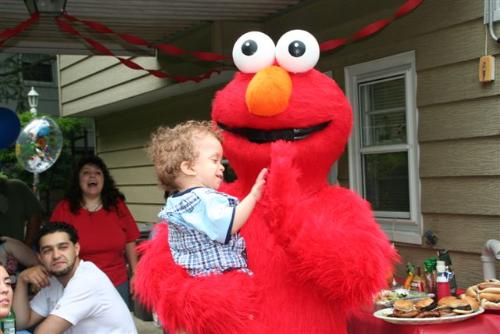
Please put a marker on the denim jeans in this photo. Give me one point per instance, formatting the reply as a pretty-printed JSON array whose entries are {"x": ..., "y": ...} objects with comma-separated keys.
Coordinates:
[{"x": 124, "y": 291}]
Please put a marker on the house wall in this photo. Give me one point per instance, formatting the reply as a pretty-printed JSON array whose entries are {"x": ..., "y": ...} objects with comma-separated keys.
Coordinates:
[
  {"x": 459, "y": 120},
  {"x": 459, "y": 117},
  {"x": 93, "y": 82}
]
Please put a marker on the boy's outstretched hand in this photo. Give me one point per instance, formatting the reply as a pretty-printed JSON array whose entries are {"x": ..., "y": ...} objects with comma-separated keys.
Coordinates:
[
  {"x": 244, "y": 209},
  {"x": 259, "y": 184}
]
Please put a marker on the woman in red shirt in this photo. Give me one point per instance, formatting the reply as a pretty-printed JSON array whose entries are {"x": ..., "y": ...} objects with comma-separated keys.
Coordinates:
[{"x": 107, "y": 230}]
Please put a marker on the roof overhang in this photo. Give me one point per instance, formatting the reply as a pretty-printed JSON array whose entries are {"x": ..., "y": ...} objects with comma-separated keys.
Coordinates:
[{"x": 152, "y": 20}]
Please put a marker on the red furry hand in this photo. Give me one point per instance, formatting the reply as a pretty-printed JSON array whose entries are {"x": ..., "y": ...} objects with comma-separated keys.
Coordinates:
[
  {"x": 283, "y": 174},
  {"x": 282, "y": 186}
]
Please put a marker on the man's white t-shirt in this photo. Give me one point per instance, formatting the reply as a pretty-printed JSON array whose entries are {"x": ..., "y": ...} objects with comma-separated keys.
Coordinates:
[{"x": 90, "y": 302}]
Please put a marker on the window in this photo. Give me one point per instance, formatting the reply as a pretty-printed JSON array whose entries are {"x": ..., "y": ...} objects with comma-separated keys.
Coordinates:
[
  {"x": 383, "y": 151},
  {"x": 37, "y": 68}
]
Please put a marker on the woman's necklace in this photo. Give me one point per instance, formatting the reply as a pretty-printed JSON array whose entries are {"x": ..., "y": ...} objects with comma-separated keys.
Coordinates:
[{"x": 93, "y": 207}]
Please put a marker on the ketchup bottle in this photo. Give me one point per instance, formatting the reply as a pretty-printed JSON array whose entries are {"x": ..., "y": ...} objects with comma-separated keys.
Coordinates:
[{"x": 443, "y": 286}]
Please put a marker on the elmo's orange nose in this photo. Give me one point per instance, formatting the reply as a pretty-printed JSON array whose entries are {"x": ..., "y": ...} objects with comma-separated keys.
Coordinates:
[{"x": 269, "y": 91}]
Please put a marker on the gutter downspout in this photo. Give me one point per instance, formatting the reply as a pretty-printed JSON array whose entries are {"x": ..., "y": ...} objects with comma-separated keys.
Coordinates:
[
  {"x": 490, "y": 21},
  {"x": 489, "y": 255}
]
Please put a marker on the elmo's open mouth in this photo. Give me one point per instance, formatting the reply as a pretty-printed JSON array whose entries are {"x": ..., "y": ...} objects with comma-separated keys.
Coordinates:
[{"x": 266, "y": 136}]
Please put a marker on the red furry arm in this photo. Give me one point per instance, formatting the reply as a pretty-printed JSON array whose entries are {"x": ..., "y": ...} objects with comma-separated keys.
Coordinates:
[
  {"x": 211, "y": 304},
  {"x": 332, "y": 236}
]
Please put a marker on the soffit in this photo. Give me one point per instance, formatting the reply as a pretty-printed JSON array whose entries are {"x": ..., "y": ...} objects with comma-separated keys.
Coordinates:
[{"x": 152, "y": 20}]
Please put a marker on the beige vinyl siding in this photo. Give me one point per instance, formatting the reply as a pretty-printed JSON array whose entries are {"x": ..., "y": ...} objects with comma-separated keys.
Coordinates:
[
  {"x": 96, "y": 83},
  {"x": 459, "y": 117},
  {"x": 463, "y": 195},
  {"x": 89, "y": 82},
  {"x": 475, "y": 227},
  {"x": 144, "y": 213},
  {"x": 460, "y": 158}
]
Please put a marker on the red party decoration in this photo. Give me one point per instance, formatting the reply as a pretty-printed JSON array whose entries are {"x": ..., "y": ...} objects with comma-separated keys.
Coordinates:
[
  {"x": 371, "y": 28},
  {"x": 11, "y": 32},
  {"x": 67, "y": 25}
]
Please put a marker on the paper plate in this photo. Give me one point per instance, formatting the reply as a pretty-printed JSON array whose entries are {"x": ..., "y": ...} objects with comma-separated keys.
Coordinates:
[{"x": 384, "y": 315}]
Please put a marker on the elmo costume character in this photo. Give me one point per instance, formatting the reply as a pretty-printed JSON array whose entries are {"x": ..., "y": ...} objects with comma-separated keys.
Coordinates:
[{"x": 315, "y": 250}]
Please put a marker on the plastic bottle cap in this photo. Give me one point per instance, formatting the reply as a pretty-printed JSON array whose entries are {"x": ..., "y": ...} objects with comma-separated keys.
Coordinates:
[{"x": 440, "y": 266}]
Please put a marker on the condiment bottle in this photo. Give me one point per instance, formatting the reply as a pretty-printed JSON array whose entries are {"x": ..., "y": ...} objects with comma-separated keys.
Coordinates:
[
  {"x": 443, "y": 286},
  {"x": 443, "y": 255},
  {"x": 418, "y": 283},
  {"x": 430, "y": 275},
  {"x": 8, "y": 324},
  {"x": 411, "y": 272}
]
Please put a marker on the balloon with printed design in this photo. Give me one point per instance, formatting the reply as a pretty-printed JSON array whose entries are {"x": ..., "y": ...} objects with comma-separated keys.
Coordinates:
[{"x": 39, "y": 145}]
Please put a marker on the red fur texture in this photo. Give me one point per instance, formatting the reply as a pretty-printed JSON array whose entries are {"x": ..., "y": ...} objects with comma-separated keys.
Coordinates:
[
  {"x": 315, "y": 249},
  {"x": 196, "y": 305}
]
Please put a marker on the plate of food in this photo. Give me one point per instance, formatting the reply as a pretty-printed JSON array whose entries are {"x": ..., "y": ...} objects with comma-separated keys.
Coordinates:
[
  {"x": 426, "y": 311},
  {"x": 385, "y": 298},
  {"x": 488, "y": 294}
]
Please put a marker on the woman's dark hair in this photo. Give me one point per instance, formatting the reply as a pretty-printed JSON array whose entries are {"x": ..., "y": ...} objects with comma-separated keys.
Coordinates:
[
  {"x": 110, "y": 194},
  {"x": 54, "y": 227}
]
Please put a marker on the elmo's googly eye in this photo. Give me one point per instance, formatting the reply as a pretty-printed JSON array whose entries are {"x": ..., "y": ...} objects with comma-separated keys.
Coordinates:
[
  {"x": 297, "y": 51},
  {"x": 253, "y": 51}
]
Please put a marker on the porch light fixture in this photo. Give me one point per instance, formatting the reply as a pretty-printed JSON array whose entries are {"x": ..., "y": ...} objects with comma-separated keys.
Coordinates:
[
  {"x": 54, "y": 7},
  {"x": 33, "y": 100}
]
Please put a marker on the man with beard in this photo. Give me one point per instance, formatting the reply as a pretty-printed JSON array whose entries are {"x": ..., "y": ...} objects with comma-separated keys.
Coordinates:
[{"x": 75, "y": 297}]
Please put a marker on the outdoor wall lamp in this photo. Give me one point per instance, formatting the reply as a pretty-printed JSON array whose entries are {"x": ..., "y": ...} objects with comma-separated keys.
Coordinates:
[
  {"x": 54, "y": 7},
  {"x": 33, "y": 101}
]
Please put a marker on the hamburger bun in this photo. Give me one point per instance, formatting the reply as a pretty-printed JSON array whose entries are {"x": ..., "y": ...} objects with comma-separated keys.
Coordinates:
[
  {"x": 472, "y": 305},
  {"x": 473, "y": 302},
  {"x": 471, "y": 291},
  {"x": 425, "y": 304},
  {"x": 491, "y": 297},
  {"x": 445, "y": 312},
  {"x": 429, "y": 314},
  {"x": 450, "y": 301},
  {"x": 487, "y": 293},
  {"x": 489, "y": 284},
  {"x": 404, "y": 305},
  {"x": 490, "y": 290},
  {"x": 404, "y": 309},
  {"x": 456, "y": 305},
  {"x": 490, "y": 305}
]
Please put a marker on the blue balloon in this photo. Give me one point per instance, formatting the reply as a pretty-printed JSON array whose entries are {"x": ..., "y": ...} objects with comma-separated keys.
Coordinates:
[{"x": 10, "y": 126}]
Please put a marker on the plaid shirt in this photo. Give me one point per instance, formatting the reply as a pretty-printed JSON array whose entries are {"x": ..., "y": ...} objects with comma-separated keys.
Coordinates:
[{"x": 199, "y": 232}]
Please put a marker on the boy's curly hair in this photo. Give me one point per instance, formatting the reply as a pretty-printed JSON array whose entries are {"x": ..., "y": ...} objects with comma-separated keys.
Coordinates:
[{"x": 169, "y": 147}]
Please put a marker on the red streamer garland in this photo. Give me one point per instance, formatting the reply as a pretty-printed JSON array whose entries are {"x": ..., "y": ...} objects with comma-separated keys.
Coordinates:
[
  {"x": 168, "y": 49},
  {"x": 371, "y": 28},
  {"x": 11, "y": 32},
  {"x": 173, "y": 50},
  {"x": 68, "y": 28}
]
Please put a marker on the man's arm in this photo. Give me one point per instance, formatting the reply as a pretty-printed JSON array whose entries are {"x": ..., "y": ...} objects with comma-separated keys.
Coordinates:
[
  {"x": 20, "y": 251},
  {"x": 32, "y": 228},
  {"x": 25, "y": 316},
  {"x": 53, "y": 325}
]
